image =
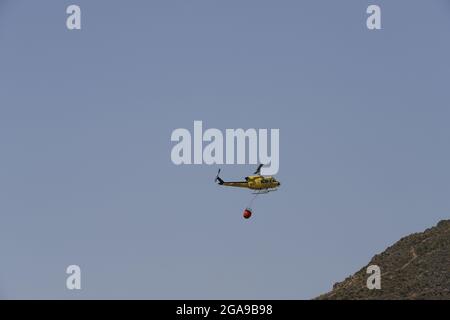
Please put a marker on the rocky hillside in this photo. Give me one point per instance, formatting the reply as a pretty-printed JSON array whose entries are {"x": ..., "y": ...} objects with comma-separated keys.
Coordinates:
[{"x": 416, "y": 267}]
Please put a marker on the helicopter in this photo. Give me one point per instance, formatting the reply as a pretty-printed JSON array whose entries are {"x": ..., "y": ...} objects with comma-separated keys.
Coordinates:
[{"x": 258, "y": 183}]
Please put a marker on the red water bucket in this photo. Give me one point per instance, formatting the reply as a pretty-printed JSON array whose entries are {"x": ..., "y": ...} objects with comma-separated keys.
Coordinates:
[{"x": 247, "y": 213}]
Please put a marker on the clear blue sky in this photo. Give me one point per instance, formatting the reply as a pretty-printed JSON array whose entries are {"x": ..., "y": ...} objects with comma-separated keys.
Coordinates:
[{"x": 85, "y": 123}]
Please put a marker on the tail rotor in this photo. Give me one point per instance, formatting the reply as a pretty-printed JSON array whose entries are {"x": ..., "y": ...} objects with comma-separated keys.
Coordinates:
[{"x": 218, "y": 179}]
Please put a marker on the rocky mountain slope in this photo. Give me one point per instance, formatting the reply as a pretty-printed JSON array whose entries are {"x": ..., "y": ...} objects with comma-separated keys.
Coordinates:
[{"x": 416, "y": 267}]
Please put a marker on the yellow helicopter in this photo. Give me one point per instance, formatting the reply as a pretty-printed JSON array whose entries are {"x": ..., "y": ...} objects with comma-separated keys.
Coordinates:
[{"x": 260, "y": 184}]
